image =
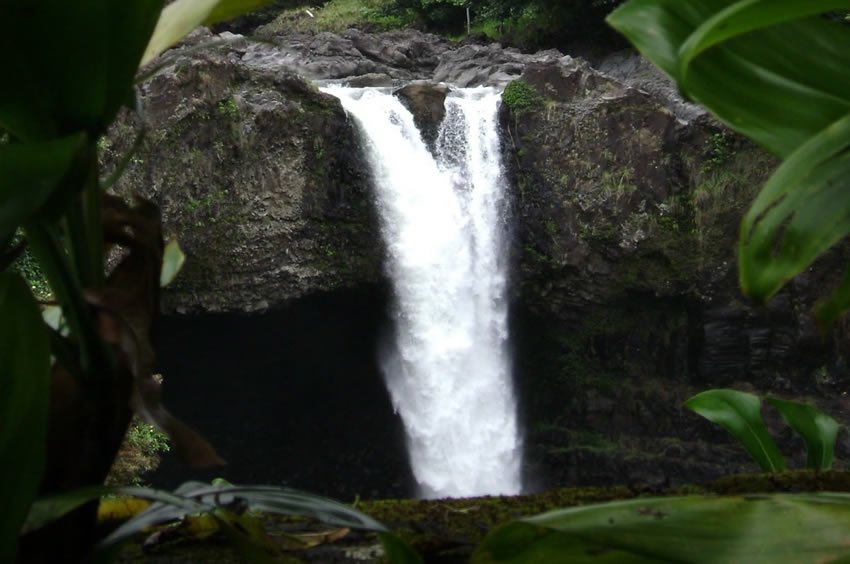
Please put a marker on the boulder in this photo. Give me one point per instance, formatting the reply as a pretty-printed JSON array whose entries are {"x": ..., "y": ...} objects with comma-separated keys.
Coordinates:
[{"x": 426, "y": 101}]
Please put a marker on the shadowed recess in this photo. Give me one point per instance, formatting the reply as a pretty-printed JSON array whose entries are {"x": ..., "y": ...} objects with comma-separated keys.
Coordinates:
[{"x": 291, "y": 397}]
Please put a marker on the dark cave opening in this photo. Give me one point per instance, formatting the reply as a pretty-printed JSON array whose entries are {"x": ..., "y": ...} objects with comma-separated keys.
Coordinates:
[{"x": 292, "y": 397}]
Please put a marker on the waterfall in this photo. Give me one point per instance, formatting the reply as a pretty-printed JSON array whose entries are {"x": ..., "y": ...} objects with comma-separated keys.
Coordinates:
[{"x": 443, "y": 220}]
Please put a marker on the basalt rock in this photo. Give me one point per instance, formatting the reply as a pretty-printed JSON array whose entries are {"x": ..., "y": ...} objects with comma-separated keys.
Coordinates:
[
  {"x": 426, "y": 101},
  {"x": 627, "y": 207},
  {"x": 257, "y": 174}
]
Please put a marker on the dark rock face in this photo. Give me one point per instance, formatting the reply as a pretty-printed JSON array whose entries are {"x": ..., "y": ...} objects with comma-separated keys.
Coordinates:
[
  {"x": 627, "y": 210},
  {"x": 258, "y": 175}
]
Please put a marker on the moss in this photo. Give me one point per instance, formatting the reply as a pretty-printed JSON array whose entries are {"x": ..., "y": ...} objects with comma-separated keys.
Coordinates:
[
  {"x": 536, "y": 255},
  {"x": 520, "y": 96},
  {"x": 139, "y": 454}
]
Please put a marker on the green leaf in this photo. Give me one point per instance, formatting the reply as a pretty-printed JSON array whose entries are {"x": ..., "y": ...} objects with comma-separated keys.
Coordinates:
[
  {"x": 78, "y": 65},
  {"x": 198, "y": 497},
  {"x": 172, "y": 261},
  {"x": 818, "y": 430},
  {"x": 179, "y": 18},
  {"x": 746, "y": 16},
  {"x": 30, "y": 174},
  {"x": 740, "y": 414},
  {"x": 25, "y": 381},
  {"x": 755, "y": 83},
  {"x": 735, "y": 59},
  {"x": 802, "y": 211},
  {"x": 755, "y": 529},
  {"x": 397, "y": 551}
]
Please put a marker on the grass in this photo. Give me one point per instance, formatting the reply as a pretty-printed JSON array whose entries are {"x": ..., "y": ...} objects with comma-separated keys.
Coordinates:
[{"x": 339, "y": 15}]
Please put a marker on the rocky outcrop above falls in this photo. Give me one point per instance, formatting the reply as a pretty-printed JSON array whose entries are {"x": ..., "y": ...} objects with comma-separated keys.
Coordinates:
[
  {"x": 259, "y": 176},
  {"x": 401, "y": 56},
  {"x": 627, "y": 206}
]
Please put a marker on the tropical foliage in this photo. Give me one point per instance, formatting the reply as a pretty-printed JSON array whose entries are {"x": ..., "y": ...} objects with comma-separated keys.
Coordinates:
[
  {"x": 740, "y": 414},
  {"x": 72, "y": 369},
  {"x": 734, "y": 58},
  {"x": 751, "y": 529},
  {"x": 231, "y": 509}
]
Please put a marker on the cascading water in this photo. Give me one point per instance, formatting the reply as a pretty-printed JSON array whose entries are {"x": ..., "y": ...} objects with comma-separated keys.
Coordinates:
[{"x": 443, "y": 218}]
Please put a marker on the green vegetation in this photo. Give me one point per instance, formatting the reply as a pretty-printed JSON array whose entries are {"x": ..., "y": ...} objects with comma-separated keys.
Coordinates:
[
  {"x": 139, "y": 454},
  {"x": 721, "y": 150},
  {"x": 740, "y": 414},
  {"x": 228, "y": 107},
  {"x": 521, "y": 96},
  {"x": 802, "y": 210},
  {"x": 680, "y": 529},
  {"x": 526, "y": 23},
  {"x": 338, "y": 15}
]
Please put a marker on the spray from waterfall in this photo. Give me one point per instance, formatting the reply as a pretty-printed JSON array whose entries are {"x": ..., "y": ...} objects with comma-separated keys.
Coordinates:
[{"x": 443, "y": 219}]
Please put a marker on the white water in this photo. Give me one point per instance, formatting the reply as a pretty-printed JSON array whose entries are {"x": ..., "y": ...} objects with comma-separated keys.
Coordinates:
[{"x": 443, "y": 220}]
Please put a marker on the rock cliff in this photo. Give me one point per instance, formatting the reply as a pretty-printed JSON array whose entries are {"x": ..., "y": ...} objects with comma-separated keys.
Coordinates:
[
  {"x": 259, "y": 176},
  {"x": 627, "y": 206},
  {"x": 626, "y": 203}
]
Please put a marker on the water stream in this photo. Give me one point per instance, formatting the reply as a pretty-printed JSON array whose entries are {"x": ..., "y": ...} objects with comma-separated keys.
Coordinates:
[{"x": 443, "y": 221}]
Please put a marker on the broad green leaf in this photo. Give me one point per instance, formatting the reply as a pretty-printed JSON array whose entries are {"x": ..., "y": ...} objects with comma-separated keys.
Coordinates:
[
  {"x": 755, "y": 83},
  {"x": 817, "y": 429},
  {"x": 802, "y": 211},
  {"x": 735, "y": 59},
  {"x": 29, "y": 175},
  {"x": 172, "y": 261},
  {"x": 77, "y": 70},
  {"x": 25, "y": 381},
  {"x": 732, "y": 530},
  {"x": 740, "y": 414},
  {"x": 397, "y": 551},
  {"x": 744, "y": 17},
  {"x": 179, "y": 18}
]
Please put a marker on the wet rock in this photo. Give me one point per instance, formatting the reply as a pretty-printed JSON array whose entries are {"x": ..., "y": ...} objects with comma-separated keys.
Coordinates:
[
  {"x": 258, "y": 175},
  {"x": 426, "y": 101}
]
